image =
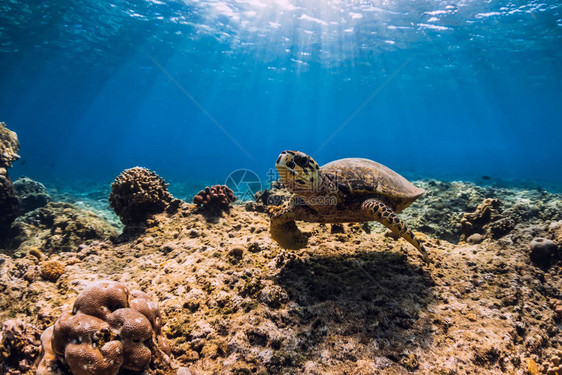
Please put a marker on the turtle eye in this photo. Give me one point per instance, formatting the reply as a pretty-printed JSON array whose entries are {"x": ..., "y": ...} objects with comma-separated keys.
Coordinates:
[
  {"x": 290, "y": 164},
  {"x": 302, "y": 161}
]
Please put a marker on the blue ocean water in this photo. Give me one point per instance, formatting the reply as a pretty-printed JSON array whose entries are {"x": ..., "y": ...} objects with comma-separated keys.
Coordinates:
[{"x": 197, "y": 89}]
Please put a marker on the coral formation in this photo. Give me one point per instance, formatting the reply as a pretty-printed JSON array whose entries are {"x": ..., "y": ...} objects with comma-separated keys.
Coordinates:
[
  {"x": 49, "y": 365},
  {"x": 51, "y": 270},
  {"x": 439, "y": 212},
  {"x": 543, "y": 251},
  {"x": 137, "y": 193},
  {"x": 9, "y": 147},
  {"x": 475, "y": 238},
  {"x": 108, "y": 329},
  {"x": 501, "y": 227},
  {"x": 58, "y": 227},
  {"x": 474, "y": 222},
  {"x": 19, "y": 347},
  {"x": 215, "y": 198},
  {"x": 30, "y": 194}
]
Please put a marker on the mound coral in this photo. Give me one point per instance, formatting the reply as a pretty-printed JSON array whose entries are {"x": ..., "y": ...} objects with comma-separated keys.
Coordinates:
[
  {"x": 51, "y": 270},
  {"x": 215, "y": 198},
  {"x": 109, "y": 329},
  {"x": 138, "y": 193},
  {"x": 543, "y": 251}
]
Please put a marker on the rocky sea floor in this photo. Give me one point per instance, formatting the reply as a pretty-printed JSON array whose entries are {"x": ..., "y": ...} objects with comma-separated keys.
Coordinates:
[{"x": 354, "y": 301}]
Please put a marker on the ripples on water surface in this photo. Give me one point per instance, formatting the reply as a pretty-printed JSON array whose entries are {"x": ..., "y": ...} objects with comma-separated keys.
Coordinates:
[{"x": 432, "y": 88}]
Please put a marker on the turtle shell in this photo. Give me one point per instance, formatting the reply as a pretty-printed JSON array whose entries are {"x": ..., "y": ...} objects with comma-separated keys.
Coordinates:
[{"x": 357, "y": 177}]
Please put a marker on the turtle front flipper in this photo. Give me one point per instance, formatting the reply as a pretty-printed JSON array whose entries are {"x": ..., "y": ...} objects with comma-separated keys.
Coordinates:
[
  {"x": 380, "y": 212},
  {"x": 284, "y": 230}
]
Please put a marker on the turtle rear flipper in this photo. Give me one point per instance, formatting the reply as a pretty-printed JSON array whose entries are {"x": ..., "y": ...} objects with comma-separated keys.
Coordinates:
[{"x": 380, "y": 212}]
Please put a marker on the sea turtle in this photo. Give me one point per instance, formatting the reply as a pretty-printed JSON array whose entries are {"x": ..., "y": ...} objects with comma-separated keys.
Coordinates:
[{"x": 345, "y": 190}]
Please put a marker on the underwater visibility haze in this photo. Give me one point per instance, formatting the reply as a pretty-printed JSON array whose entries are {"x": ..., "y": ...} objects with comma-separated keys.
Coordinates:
[
  {"x": 280, "y": 187},
  {"x": 198, "y": 89}
]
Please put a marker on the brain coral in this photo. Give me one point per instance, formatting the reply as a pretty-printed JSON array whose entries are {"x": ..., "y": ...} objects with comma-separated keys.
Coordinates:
[
  {"x": 109, "y": 329},
  {"x": 138, "y": 193}
]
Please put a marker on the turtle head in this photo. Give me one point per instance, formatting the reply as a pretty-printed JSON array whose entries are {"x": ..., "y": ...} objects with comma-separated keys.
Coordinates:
[{"x": 299, "y": 172}]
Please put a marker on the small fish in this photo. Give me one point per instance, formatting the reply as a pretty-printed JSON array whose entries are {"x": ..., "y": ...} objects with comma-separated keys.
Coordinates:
[{"x": 486, "y": 177}]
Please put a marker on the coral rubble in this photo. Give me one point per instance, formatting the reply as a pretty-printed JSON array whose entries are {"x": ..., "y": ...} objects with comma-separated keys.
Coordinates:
[
  {"x": 109, "y": 328},
  {"x": 19, "y": 347},
  {"x": 137, "y": 193}
]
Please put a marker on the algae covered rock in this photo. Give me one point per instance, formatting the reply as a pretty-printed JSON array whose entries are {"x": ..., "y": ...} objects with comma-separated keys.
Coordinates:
[
  {"x": 137, "y": 193},
  {"x": 8, "y": 205},
  {"x": 455, "y": 210},
  {"x": 30, "y": 194},
  {"x": 438, "y": 212},
  {"x": 58, "y": 227}
]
